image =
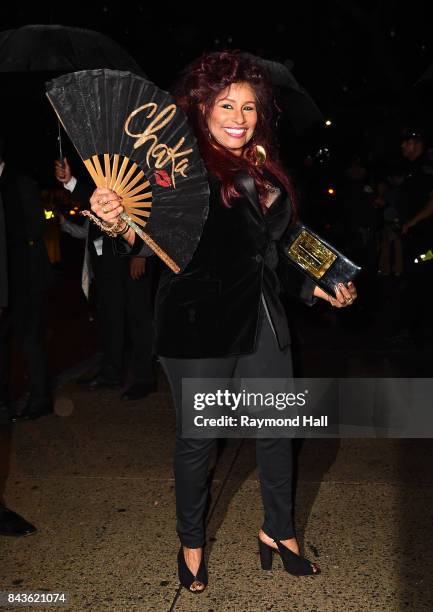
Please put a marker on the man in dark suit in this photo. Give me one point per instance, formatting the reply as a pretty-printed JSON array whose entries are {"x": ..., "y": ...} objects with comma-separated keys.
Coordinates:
[
  {"x": 28, "y": 270},
  {"x": 123, "y": 290},
  {"x": 11, "y": 523},
  {"x": 3, "y": 293}
]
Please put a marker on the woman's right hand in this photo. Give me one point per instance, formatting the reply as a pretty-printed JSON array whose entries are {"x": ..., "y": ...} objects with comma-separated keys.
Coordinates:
[
  {"x": 344, "y": 295},
  {"x": 106, "y": 205}
]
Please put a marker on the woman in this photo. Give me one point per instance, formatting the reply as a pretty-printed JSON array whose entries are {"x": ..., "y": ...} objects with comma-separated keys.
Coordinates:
[{"x": 222, "y": 316}]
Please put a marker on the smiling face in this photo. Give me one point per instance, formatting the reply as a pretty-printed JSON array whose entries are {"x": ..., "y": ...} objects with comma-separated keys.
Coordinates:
[{"x": 233, "y": 118}]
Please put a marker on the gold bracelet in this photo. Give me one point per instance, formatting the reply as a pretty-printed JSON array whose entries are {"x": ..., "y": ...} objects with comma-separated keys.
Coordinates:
[
  {"x": 110, "y": 230},
  {"x": 125, "y": 230}
]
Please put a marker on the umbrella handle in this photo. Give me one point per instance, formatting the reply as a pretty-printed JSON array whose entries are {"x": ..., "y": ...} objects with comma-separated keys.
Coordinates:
[{"x": 59, "y": 138}]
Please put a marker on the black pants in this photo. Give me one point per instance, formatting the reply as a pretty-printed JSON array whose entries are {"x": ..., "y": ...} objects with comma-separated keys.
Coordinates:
[
  {"x": 125, "y": 308},
  {"x": 191, "y": 459},
  {"x": 23, "y": 322}
]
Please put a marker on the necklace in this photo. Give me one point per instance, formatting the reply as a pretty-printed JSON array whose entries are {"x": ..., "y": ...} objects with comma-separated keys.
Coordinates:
[{"x": 271, "y": 188}]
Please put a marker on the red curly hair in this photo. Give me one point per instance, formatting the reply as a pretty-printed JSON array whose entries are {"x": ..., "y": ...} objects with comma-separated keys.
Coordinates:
[{"x": 199, "y": 87}]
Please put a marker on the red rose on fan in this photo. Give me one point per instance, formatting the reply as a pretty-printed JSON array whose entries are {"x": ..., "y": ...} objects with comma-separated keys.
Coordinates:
[{"x": 162, "y": 178}]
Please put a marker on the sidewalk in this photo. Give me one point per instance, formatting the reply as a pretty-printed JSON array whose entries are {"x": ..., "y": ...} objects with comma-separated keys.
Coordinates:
[{"x": 98, "y": 485}]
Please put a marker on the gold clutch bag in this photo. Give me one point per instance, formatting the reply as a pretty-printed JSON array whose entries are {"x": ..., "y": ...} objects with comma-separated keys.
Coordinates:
[{"x": 317, "y": 259}]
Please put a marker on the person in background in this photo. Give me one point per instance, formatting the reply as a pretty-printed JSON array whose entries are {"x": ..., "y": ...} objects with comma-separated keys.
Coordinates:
[
  {"x": 359, "y": 215},
  {"x": 415, "y": 202},
  {"x": 11, "y": 523},
  {"x": 123, "y": 292},
  {"x": 28, "y": 274},
  {"x": 391, "y": 247}
]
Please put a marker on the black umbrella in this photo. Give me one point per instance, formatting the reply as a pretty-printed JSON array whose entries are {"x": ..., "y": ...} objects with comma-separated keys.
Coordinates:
[
  {"x": 426, "y": 76},
  {"x": 52, "y": 50},
  {"x": 299, "y": 109},
  {"x": 57, "y": 48}
]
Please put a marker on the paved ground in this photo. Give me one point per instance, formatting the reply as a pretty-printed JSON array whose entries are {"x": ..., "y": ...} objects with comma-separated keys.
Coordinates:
[{"x": 98, "y": 485}]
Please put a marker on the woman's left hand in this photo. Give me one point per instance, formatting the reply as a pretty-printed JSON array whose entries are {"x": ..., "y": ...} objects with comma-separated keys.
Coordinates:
[{"x": 344, "y": 295}]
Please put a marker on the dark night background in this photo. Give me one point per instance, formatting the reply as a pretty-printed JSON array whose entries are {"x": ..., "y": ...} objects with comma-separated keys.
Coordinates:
[{"x": 358, "y": 60}]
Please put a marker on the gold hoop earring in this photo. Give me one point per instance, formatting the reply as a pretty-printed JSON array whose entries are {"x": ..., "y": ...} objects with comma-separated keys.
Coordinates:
[{"x": 260, "y": 155}]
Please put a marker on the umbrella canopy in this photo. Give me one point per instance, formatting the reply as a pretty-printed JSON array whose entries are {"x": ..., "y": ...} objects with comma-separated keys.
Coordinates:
[
  {"x": 299, "y": 109},
  {"x": 57, "y": 48},
  {"x": 426, "y": 76},
  {"x": 32, "y": 54}
]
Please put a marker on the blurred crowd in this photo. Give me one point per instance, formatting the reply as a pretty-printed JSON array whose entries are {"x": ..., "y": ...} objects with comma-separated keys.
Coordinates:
[{"x": 381, "y": 216}]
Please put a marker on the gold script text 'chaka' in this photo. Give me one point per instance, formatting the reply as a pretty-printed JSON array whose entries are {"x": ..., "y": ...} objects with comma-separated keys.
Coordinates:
[{"x": 160, "y": 152}]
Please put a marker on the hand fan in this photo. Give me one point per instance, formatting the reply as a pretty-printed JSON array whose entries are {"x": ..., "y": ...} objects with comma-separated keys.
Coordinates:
[{"x": 134, "y": 140}]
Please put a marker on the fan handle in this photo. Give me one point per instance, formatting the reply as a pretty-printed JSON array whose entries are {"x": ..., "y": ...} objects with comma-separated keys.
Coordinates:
[
  {"x": 106, "y": 180},
  {"x": 151, "y": 243}
]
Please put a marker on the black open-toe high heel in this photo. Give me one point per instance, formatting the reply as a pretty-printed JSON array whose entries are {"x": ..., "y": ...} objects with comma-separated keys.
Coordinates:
[
  {"x": 187, "y": 578},
  {"x": 293, "y": 563}
]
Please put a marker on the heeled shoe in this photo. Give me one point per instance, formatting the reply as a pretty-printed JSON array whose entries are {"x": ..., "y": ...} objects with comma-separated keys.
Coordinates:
[
  {"x": 293, "y": 563},
  {"x": 187, "y": 578}
]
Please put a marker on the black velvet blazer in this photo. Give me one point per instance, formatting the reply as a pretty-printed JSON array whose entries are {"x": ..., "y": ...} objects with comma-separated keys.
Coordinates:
[{"x": 212, "y": 308}]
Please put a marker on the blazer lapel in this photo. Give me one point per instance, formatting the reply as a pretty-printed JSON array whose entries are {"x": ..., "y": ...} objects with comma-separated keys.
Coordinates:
[{"x": 245, "y": 184}]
